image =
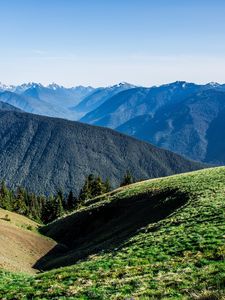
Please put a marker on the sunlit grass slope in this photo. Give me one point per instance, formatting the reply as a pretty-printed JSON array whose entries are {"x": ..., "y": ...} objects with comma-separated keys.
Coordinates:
[
  {"x": 20, "y": 243},
  {"x": 180, "y": 256}
]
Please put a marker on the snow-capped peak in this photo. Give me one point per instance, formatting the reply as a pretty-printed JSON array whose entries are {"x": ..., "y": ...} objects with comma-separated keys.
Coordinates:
[
  {"x": 213, "y": 84},
  {"x": 5, "y": 87},
  {"x": 35, "y": 85},
  {"x": 121, "y": 84},
  {"x": 54, "y": 86}
]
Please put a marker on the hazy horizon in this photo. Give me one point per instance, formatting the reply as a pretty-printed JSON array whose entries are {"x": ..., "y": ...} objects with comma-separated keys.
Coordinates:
[
  {"x": 107, "y": 85},
  {"x": 101, "y": 43}
]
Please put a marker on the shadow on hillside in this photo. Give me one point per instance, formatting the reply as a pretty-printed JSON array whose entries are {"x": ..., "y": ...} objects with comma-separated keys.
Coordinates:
[{"x": 106, "y": 227}]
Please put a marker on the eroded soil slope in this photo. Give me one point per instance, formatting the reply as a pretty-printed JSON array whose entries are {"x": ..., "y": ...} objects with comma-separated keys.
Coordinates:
[{"x": 20, "y": 245}]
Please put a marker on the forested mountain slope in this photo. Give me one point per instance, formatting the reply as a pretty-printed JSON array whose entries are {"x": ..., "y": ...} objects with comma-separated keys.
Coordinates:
[{"x": 46, "y": 154}]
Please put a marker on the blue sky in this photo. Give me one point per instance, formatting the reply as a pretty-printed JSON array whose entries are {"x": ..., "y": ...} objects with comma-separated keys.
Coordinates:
[{"x": 96, "y": 42}]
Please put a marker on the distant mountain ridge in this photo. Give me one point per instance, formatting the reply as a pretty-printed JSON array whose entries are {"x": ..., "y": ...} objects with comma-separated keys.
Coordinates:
[
  {"x": 101, "y": 95},
  {"x": 140, "y": 101},
  {"x": 52, "y": 100},
  {"x": 183, "y": 117},
  {"x": 31, "y": 104},
  {"x": 8, "y": 107},
  {"x": 58, "y": 101},
  {"x": 44, "y": 154},
  {"x": 150, "y": 114},
  {"x": 54, "y": 86},
  {"x": 193, "y": 128}
]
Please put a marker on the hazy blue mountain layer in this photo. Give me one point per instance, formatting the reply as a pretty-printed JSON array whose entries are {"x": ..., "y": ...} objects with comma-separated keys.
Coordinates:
[{"x": 194, "y": 127}]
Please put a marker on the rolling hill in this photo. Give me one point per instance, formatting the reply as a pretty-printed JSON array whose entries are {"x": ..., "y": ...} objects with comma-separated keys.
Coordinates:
[
  {"x": 44, "y": 154},
  {"x": 159, "y": 239}
]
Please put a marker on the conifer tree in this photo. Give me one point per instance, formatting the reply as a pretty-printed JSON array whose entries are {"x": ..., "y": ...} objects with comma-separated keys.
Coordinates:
[
  {"x": 71, "y": 201},
  {"x": 58, "y": 207},
  {"x": 19, "y": 202},
  {"x": 127, "y": 179},
  {"x": 46, "y": 209},
  {"x": 5, "y": 197},
  {"x": 107, "y": 186},
  {"x": 3, "y": 189},
  {"x": 85, "y": 192},
  {"x": 62, "y": 199},
  {"x": 97, "y": 187}
]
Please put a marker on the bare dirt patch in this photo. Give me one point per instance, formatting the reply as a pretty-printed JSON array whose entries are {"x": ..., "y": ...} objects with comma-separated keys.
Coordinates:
[{"x": 20, "y": 245}]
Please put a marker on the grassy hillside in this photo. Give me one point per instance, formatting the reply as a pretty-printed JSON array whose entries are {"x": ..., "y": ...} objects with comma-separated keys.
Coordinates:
[
  {"x": 17, "y": 220},
  {"x": 107, "y": 224},
  {"x": 20, "y": 243},
  {"x": 177, "y": 255}
]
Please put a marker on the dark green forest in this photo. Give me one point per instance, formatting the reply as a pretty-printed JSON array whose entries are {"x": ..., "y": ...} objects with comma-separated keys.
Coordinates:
[{"x": 45, "y": 209}]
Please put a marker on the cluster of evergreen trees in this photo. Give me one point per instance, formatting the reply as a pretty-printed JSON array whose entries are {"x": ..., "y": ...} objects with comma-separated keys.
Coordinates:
[
  {"x": 46, "y": 209},
  {"x": 93, "y": 187},
  {"x": 40, "y": 208}
]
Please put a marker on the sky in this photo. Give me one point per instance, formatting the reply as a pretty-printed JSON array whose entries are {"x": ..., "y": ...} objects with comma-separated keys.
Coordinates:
[{"x": 103, "y": 42}]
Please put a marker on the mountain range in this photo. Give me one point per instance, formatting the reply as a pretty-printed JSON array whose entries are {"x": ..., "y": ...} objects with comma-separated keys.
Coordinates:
[
  {"x": 45, "y": 154},
  {"x": 183, "y": 117},
  {"x": 194, "y": 127},
  {"x": 52, "y": 100},
  {"x": 99, "y": 96},
  {"x": 137, "y": 101},
  {"x": 58, "y": 101}
]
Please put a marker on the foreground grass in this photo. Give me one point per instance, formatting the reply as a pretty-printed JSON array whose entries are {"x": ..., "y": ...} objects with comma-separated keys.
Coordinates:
[{"x": 180, "y": 257}]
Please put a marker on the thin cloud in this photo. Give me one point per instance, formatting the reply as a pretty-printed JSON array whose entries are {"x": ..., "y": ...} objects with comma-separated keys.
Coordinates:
[{"x": 39, "y": 52}]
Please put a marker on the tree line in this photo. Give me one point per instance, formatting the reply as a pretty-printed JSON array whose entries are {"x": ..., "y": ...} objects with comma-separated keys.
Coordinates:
[{"x": 46, "y": 209}]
